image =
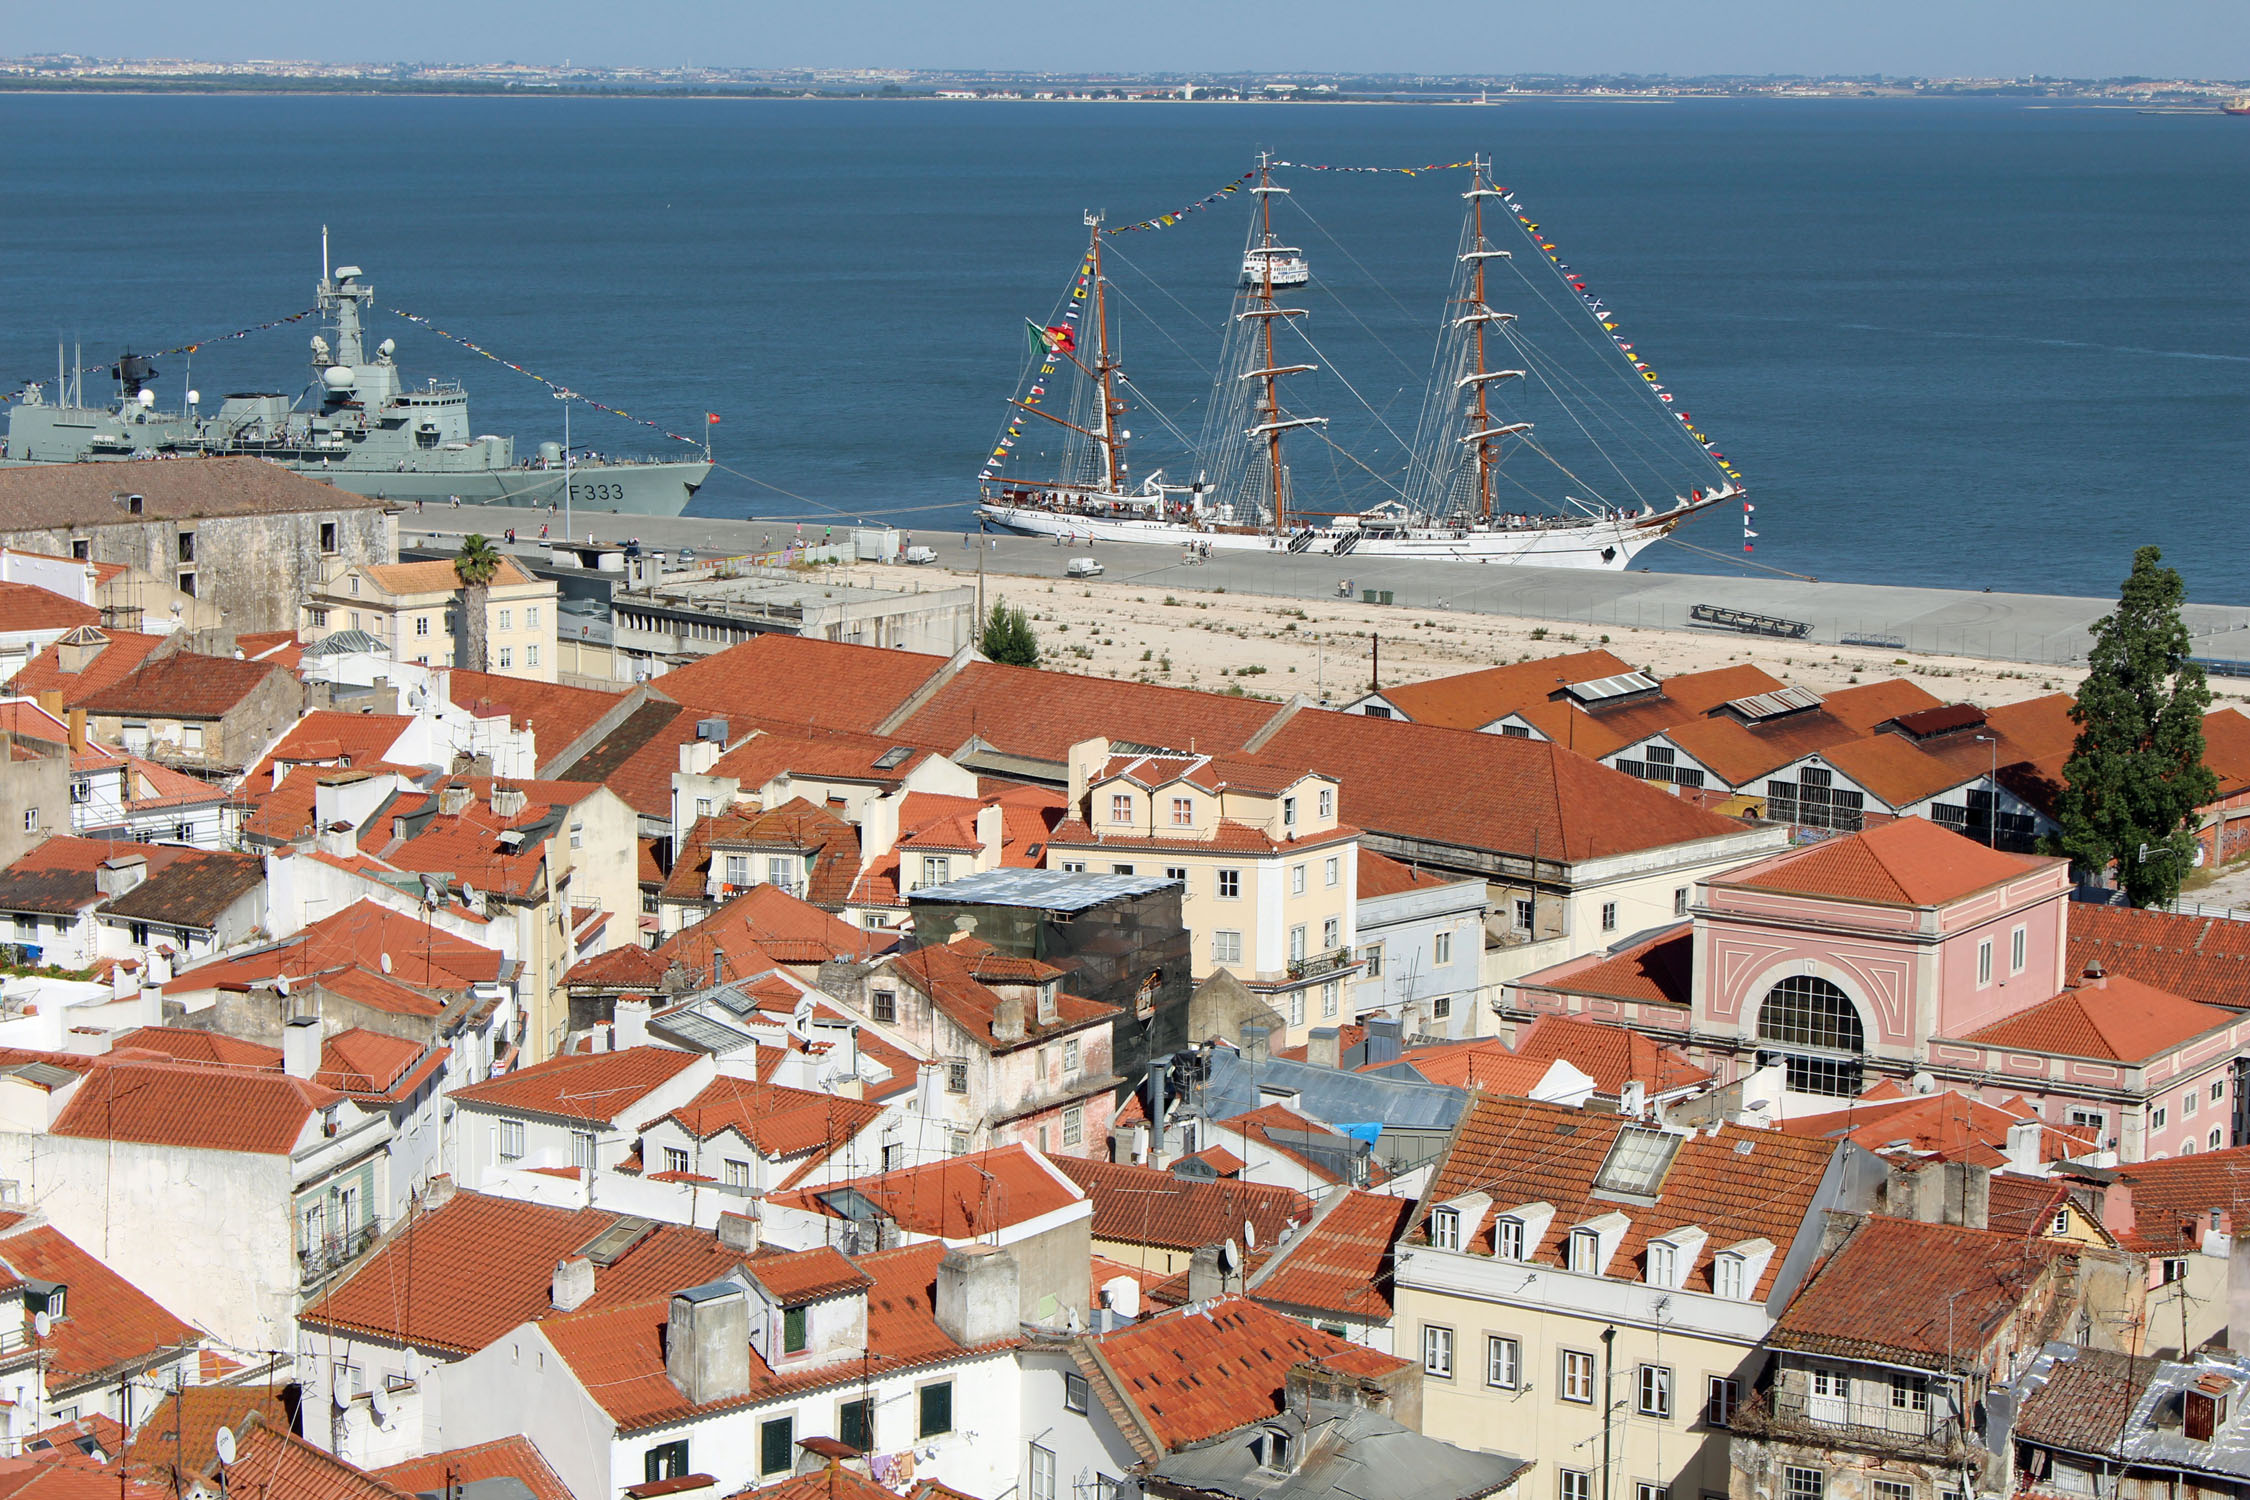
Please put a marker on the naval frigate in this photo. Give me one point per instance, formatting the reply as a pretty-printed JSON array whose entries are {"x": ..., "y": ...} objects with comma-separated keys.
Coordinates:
[{"x": 358, "y": 426}]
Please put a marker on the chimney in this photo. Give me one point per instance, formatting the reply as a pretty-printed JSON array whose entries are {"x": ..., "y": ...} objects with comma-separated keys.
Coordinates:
[
  {"x": 120, "y": 873},
  {"x": 1910, "y": 1191},
  {"x": 78, "y": 731},
  {"x": 573, "y": 1285},
  {"x": 1383, "y": 1041},
  {"x": 75, "y": 652},
  {"x": 439, "y": 1193},
  {"x": 454, "y": 799},
  {"x": 1255, "y": 1043},
  {"x": 2118, "y": 1216},
  {"x": 707, "y": 1342},
  {"x": 1323, "y": 1048},
  {"x": 1205, "y": 1278},
  {"x": 2022, "y": 1150},
  {"x": 2096, "y": 977},
  {"x": 300, "y": 1046},
  {"x": 1632, "y": 1097},
  {"x": 338, "y": 838},
  {"x": 1050, "y": 1010},
  {"x": 739, "y": 1232},
  {"x": 1968, "y": 1194},
  {"x": 630, "y": 1026},
  {"x": 508, "y": 801},
  {"x": 978, "y": 1300},
  {"x": 1007, "y": 1019}
]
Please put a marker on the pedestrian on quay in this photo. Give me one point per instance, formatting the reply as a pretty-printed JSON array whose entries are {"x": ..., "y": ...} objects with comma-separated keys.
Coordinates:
[
  {"x": 542, "y": 533},
  {"x": 456, "y": 499},
  {"x": 511, "y": 536}
]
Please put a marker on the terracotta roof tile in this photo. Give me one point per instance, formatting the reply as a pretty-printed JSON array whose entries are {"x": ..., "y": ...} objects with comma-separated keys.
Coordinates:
[
  {"x": 1942, "y": 1124},
  {"x": 359, "y": 937},
  {"x": 1380, "y": 876},
  {"x": 50, "y": 496},
  {"x": 183, "y": 686},
  {"x": 949, "y": 979},
  {"x": 1144, "y": 1206},
  {"x": 1610, "y": 1055},
  {"x": 1736, "y": 1185},
  {"x": 1404, "y": 780},
  {"x": 830, "y": 1482},
  {"x": 1913, "y": 1293},
  {"x": 2085, "y": 1404},
  {"x": 25, "y": 606},
  {"x": 1288, "y": 1134},
  {"x": 1471, "y": 700},
  {"x": 2123, "y": 1020},
  {"x": 111, "y": 1321},
  {"x": 582, "y": 1086},
  {"x": 1023, "y": 711},
  {"x": 1909, "y": 862},
  {"x": 192, "y": 891},
  {"x": 826, "y": 754},
  {"x": 193, "y": 1106},
  {"x": 556, "y": 714},
  {"x": 1202, "y": 1371},
  {"x": 362, "y": 1062},
  {"x": 1485, "y": 1063},
  {"x": 778, "y": 1121},
  {"x": 2174, "y": 1199},
  {"x": 196, "y": 1046},
  {"x": 327, "y": 736},
  {"x": 57, "y": 874},
  {"x": 274, "y": 1465},
  {"x": 826, "y": 685},
  {"x": 959, "y": 1197},
  {"x": 1341, "y": 1263},
  {"x": 503, "y": 1458},
  {"x": 186, "y": 1422},
  {"x": 122, "y": 652},
  {"x": 459, "y": 1276},
  {"x": 1653, "y": 971},
  {"x": 436, "y": 576},
  {"x": 1897, "y": 771},
  {"x": 2203, "y": 958},
  {"x": 808, "y": 1275},
  {"x": 638, "y": 756}
]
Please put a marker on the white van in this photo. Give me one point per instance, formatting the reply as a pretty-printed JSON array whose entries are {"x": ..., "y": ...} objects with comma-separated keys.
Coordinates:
[{"x": 1084, "y": 567}]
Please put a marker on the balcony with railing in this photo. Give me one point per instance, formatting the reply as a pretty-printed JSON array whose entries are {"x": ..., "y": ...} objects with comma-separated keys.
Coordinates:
[
  {"x": 1786, "y": 1415},
  {"x": 333, "y": 1251}
]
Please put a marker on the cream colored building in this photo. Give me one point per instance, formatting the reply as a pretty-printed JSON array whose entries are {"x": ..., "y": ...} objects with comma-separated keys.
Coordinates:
[
  {"x": 1270, "y": 877},
  {"x": 1584, "y": 1288},
  {"x": 414, "y": 610}
]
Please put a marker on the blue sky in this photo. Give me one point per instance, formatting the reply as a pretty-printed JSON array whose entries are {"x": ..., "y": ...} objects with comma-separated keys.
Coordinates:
[{"x": 2083, "y": 38}]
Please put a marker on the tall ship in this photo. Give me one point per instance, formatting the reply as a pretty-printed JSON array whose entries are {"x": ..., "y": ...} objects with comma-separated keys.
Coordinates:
[
  {"x": 357, "y": 424},
  {"x": 1480, "y": 484}
]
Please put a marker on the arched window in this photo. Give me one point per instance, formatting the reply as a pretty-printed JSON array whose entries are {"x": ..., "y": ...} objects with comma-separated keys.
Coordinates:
[{"x": 1807, "y": 1011}]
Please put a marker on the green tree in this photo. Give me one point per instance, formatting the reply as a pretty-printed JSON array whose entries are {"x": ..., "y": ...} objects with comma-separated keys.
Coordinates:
[
  {"x": 1007, "y": 637},
  {"x": 476, "y": 565},
  {"x": 2136, "y": 774}
]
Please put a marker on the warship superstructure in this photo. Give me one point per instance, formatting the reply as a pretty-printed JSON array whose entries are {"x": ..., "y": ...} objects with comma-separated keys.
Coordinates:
[{"x": 357, "y": 425}]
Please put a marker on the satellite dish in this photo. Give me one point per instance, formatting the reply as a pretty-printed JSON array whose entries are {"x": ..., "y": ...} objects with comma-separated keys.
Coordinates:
[
  {"x": 1249, "y": 1235},
  {"x": 1230, "y": 1258},
  {"x": 224, "y": 1444},
  {"x": 42, "y": 1324},
  {"x": 1122, "y": 1295},
  {"x": 342, "y": 1398},
  {"x": 379, "y": 1402},
  {"x": 386, "y": 963},
  {"x": 281, "y": 985}
]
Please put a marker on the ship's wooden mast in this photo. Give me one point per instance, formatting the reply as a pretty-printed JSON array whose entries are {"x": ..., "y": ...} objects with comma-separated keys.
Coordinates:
[
  {"x": 1480, "y": 376},
  {"x": 1113, "y": 407},
  {"x": 1271, "y": 424}
]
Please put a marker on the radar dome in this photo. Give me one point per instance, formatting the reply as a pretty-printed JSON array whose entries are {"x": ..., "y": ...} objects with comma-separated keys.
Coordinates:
[
  {"x": 337, "y": 378},
  {"x": 387, "y": 348},
  {"x": 146, "y": 398},
  {"x": 194, "y": 398}
]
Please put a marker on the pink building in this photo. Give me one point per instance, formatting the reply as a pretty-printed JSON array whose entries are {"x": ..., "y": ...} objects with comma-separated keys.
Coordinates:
[{"x": 1912, "y": 953}]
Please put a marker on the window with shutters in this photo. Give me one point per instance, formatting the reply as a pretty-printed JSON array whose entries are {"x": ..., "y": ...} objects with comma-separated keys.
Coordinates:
[
  {"x": 934, "y": 1403},
  {"x": 777, "y": 1445}
]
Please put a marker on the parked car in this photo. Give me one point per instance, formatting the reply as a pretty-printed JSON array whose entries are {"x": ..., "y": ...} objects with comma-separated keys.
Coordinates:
[{"x": 1084, "y": 567}]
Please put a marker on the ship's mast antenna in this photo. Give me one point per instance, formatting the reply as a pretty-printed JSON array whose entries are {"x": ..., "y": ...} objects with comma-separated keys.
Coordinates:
[
  {"x": 324, "y": 252},
  {"x": 1481, "y": 429},
  {"x": 1271, "y": 424},
  {"x": 1112, "y": 407}
]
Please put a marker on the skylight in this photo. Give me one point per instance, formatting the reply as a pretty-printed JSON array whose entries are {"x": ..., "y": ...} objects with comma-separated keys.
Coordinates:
[{"x": 1637, "y": 1161}]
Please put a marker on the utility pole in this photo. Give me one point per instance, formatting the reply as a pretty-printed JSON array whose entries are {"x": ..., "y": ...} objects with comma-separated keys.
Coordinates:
[{"x": 1609, "y": 1403}]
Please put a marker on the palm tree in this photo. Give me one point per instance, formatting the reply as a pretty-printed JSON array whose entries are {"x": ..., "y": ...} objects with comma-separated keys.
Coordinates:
[{"x": 476, "y": 565}]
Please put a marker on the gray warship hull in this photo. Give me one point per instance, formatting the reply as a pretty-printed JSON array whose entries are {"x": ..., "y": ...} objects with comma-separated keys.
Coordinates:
[{"x": 361, "y": 428}]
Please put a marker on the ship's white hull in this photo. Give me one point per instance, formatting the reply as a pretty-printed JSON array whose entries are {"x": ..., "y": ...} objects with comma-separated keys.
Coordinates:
[{"x": 1608, "y": 545}]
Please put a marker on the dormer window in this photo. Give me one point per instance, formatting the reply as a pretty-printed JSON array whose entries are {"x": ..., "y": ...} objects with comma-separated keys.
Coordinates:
[
  {"x": 1271, "y": 1446},
  {"x": 1288, "y": 812},
  {"x": 1327, "y": 803},
  {"x": 1445, "y": 1229},
  {"x": 1727, "y": 1276},
  {"x": 1183, "y": 812},
  {"x": 1663, "y": 1264},
  {"x": 793, "y": 1335},
  {"x": 1585, "y": 1250},
  {"x": 1121, "y": 807},
  {"x": 1508, "y": 1240}
]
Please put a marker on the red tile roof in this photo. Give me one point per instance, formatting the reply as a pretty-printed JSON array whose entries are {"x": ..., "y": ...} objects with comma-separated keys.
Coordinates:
[
  {"x": 193, "y": 1106},
  {"x": 2203, "y": 958},
  {"x": 583, "y": 1086},
  {"x": 830, "y": 1482},
  {"x": 808, "y": 1275},
  {"x": 1943, "y": 1124},
  {"x": 1610, "y": 1055},
  {"x": 949, "y": 979},
  {"x": 369, "y": 1063},
  {"x": 503, "y": 1458},
  {"x": 57, "y": 874},
  {"x": 111, "y": 1321},
  {"x": 824, "y": 684},
  {"x": 2123, "y": 1020},
  {"x": 1906, "y": 1292},
  {"x": 125, "y": 650},
  {"x": 1201, "y": 1371},
  {"x": 1405, "y": 779},
  {"x": 461, "y": 1275},
  {"x": 196, "y": 1046},
  {"x": 1379, "y": 876},
  {"x": 778, "y": 1121},
  {"x": 184, "y": 686},
  {"x": 782, "y": 927},
  {"x": 1909, "y": 862},
  {"x": 1486, "y": 1063},
  {"x": 1654, "y": 971},
  {"x": 185, "y": 1424},
  {"x": 1342, "y": 1261},
  {"x": 1023, "y": 711},
  {"x": 1736, "y": 1185},
  {"x": 328, "y": 737},
  {"x": 556, "y": 715},
  {"x": 2173, "y": 1199},
  {"x": 959, "y": 1197},
  {"x": 1471, "y": 700},
  {"x": 1284, "y": 1132},
  {"x": 358, "y": 938},
  {"x": 618, "y": 1355},
  {"x": 824, "y": 754},
  {"x": 637, "y": 757},
  {"x": 1137, "y": 1205},
  {"x": 25, "y": 606},
  {"x": 274, "y": 1465}
]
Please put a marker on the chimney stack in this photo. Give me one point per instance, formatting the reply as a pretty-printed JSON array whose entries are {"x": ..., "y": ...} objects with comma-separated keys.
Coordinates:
[
  {"x": 739, "y": 1231},
  {"x": 1206, "y": 1279},
  {"x": 1007, "y": 1019},
  {"x": 300, "y": 1046},
  {"x": 978, "y": 1296},
  {"x": 707, "y": 1342},
  {"x": 454, "y": 799},
  {"x": 508, "y": 801},
  {"x": 573, "y": 1285},
  {"x": 1324, "y": 1049},
  {"x": 77, "y": 731},
  {"x": 439, "y": 1193},
  {"x": 1968, "y": 1194}
]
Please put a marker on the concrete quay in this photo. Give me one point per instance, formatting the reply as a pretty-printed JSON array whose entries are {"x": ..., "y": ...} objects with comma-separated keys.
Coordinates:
[{"x": 2046, "y": 628}]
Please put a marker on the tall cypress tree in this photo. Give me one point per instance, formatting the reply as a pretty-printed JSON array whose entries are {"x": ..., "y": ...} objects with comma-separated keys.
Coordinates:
[{"x": 2136, "y": 774}]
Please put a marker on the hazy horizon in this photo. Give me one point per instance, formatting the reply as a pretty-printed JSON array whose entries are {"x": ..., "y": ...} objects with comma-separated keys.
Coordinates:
[{"x": 1915, "y": 38}]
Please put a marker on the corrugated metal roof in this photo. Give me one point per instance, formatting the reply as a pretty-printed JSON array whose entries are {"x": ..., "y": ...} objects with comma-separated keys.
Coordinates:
[{"x": 1050, "y": 890}]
